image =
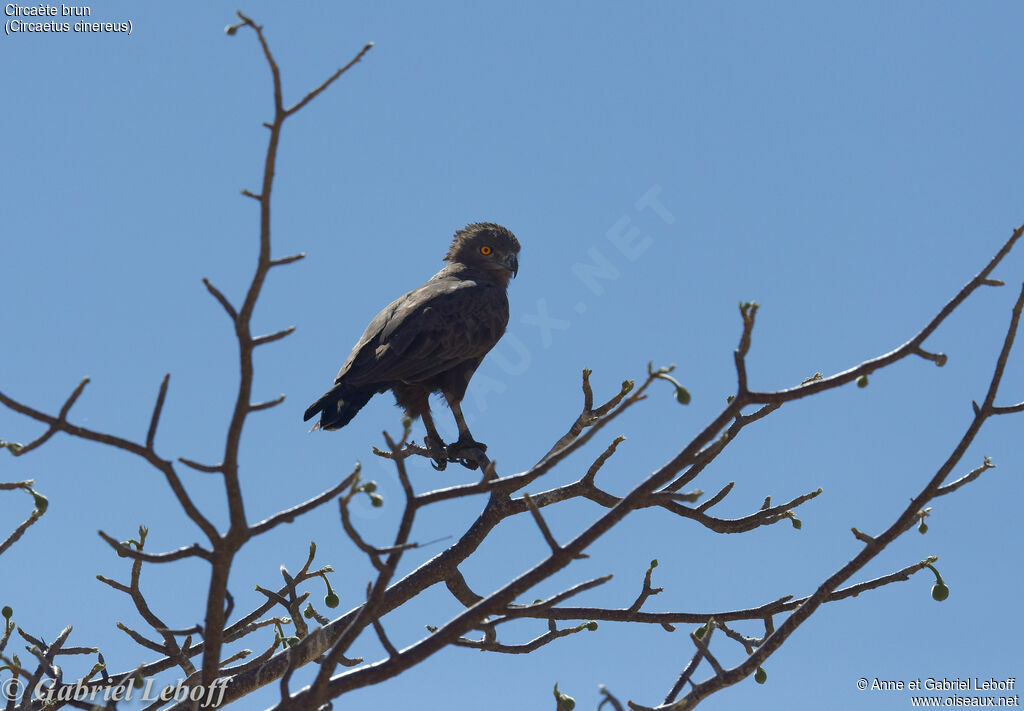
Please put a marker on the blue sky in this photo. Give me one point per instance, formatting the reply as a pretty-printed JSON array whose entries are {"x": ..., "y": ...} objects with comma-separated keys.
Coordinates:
[{"x": 849, "y": 167}]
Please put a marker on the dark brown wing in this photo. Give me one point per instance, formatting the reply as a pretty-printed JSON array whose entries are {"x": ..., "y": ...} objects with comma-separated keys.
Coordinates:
[{"x": 446, "y": 322}]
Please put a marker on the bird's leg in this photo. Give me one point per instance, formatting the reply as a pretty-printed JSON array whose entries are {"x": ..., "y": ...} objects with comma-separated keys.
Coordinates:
[
  {"x": 434, "y": 443},
  {"x": 465, "y": 440}
]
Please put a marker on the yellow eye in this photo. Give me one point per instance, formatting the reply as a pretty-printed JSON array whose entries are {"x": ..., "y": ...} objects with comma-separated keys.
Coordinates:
[{"x": 485, "y": 250}]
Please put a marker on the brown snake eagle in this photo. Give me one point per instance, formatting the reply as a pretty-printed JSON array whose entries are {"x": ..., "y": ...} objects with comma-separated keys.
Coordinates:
[{"x": 431, "y": 339}]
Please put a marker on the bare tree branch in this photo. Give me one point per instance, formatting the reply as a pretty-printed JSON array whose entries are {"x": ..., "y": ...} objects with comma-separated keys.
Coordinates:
[{"x": 289, "y": 515}]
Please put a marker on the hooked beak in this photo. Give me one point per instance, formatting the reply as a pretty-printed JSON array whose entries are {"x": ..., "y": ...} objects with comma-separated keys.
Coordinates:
[{"x": 512, "y": 264}]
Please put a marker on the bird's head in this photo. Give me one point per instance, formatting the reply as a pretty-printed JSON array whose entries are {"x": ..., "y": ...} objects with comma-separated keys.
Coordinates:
[{"x": 487, "y": 246}]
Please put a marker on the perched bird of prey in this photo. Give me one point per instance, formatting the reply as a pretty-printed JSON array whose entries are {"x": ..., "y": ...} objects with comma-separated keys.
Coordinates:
[{"x": 431, "y": 339}]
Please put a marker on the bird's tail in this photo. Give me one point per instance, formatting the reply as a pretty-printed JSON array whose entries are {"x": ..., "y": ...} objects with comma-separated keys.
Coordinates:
[{"x": 338, "y": 406}]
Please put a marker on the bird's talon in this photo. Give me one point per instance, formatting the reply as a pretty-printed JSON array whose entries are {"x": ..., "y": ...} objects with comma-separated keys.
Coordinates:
[
  {"x": 457, "y": 449},
  {"x": 437, "y": 452},
  {"x": 465, "y": 443},
  {"x": 468, "y": 463}
]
